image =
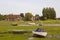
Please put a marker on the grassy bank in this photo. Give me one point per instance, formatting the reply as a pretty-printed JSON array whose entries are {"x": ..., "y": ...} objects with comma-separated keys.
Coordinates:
[{"x": 5, "y": 26}]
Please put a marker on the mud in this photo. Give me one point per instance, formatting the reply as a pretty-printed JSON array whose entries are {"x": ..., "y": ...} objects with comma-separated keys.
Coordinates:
[
  {"x": 48, "y": 36},
  {"x": 53, "y": 36}
]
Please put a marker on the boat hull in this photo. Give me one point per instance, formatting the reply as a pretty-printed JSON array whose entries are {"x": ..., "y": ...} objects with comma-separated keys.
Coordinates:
[{"x": 40, "y": 33}]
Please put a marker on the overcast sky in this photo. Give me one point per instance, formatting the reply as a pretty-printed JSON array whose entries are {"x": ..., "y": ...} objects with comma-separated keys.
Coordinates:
[{"x": 23, "y": 6}]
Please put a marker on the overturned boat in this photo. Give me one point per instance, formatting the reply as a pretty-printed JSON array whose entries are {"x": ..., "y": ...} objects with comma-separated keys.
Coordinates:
[
  {"x": 40, "y": 32},
  {"x": 17, "y": 31}
]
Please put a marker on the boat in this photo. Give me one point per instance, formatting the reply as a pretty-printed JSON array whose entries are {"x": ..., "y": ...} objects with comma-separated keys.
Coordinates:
[
  {"x": 40, "y": 32},
  {"x": 17, "y": 31}
]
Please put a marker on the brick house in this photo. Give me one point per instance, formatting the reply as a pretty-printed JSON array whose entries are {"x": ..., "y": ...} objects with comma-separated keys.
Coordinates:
[{"x": 12, "y": 17}]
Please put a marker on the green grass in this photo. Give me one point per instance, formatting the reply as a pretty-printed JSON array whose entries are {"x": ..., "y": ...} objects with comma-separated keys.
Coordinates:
[
  {"x": 5, "y": 26},
  {"x": 49, "y": 22}
]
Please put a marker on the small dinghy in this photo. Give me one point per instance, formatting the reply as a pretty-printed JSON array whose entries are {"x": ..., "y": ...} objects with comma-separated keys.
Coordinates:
[{"x": 40, "y": 32}]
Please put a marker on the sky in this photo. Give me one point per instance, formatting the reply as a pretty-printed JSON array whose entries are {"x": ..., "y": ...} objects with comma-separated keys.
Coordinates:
[{"x": 24, "y": 6}]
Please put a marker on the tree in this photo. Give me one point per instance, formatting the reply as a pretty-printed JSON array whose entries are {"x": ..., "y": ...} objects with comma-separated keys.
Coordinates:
[
  {"x": 52, "y": 13},
  {"x": 2, "y": 17},
  {"x": 49, "y": 13},
  {"x": 21, "y": 14},
  {"x": 28, "y": 16}
]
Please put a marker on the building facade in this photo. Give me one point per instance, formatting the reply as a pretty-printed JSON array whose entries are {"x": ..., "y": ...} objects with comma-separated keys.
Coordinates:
[{"x": 12, "y": 17}]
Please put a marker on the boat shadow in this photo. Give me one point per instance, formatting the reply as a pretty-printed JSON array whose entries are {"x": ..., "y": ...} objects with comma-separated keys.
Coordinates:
[{"x": 37, "y": 36}]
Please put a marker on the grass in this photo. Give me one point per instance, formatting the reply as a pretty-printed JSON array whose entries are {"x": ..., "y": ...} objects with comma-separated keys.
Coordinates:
[
  {"x": 49, "y": 22},
  {"x": 5, "y": 26}
]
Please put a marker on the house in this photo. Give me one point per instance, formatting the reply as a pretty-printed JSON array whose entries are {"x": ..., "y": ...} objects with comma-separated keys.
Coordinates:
[
  {"x": 35, "y": 18},
  {"x": 12, "y": 17}
]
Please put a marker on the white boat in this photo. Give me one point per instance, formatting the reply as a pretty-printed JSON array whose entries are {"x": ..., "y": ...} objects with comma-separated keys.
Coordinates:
[{"x": 40, "y": 32}]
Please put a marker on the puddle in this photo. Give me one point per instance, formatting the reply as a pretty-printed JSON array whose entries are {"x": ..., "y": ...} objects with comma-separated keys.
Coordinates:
[
  {"x": 30, "y": 38},
  {"x": 53, "y": 36}
]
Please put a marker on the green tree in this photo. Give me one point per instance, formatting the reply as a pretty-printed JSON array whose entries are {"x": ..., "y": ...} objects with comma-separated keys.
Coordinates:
[
  {"x": 28, "y": 16},
  {"x": 49, "y": 13},
  {"x": 21, "y": 14},
  {"x": 2, "y": 17},
  {"x": 52, "y": 13}
]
